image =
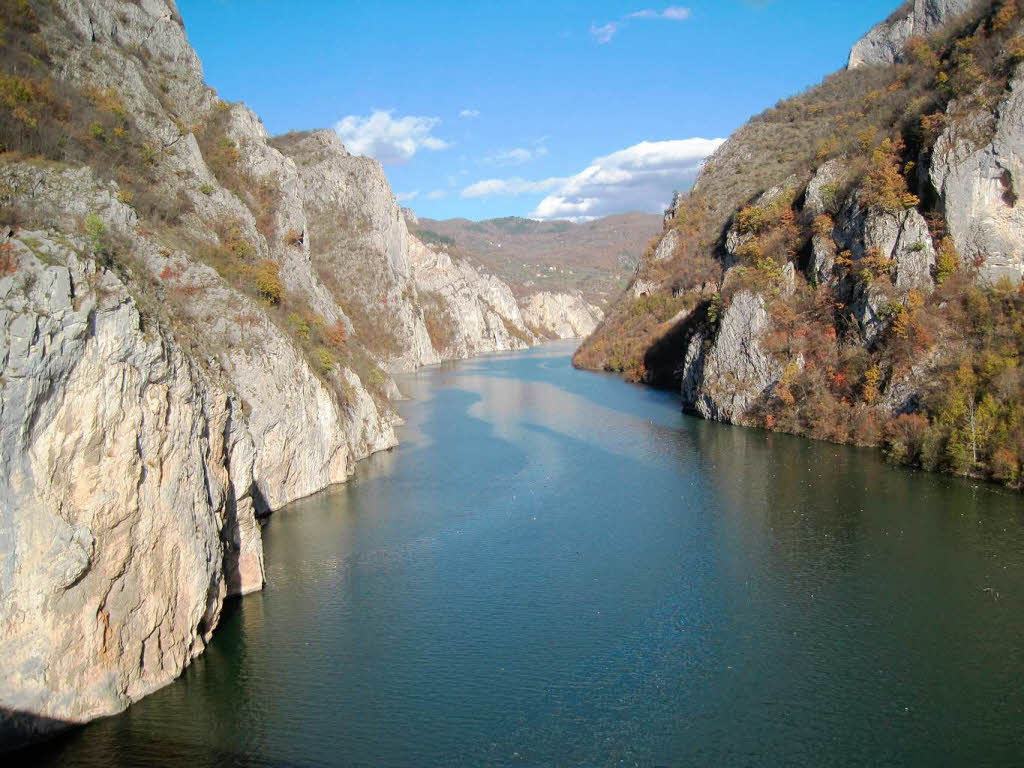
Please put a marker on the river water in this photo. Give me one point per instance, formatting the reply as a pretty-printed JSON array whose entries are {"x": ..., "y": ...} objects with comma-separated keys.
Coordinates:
[{"x": 559, "y": 568}]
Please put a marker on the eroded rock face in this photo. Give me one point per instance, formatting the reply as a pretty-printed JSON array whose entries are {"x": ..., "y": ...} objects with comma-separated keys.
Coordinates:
[
  {"x": 904, "y": 239},
  {"x": 135, "y": 467},
  {"x": 126, "y": 496},
  {"x": 479, "y": 310},
  {"x": 824, "y": 187},
  {"x": 736, "y": 369},
  {"x": 693, "y": 370},
  {"x": 561, "y": 315},
  {"x": 151, "y": 409},
  {"x": 823, "y": 191},
  {"x": 980, "y": 186},
  {"x": 667, "y": 246},
  {"x": 359, "y": 240},
  {"x": 867, "y": 306},
  {"x": 821, "y": 267},
  {"x": 96, "y": 48},
  {"x": 884, "y": 43}
]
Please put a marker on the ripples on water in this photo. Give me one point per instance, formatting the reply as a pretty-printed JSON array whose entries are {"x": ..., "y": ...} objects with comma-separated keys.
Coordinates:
[{"x": 558, "y": 568}]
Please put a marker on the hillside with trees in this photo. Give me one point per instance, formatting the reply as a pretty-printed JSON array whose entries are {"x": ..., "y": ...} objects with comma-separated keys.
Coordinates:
[{"x": 848, "y": 266}]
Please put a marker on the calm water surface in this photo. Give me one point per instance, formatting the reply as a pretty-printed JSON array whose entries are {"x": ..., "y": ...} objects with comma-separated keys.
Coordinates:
[{"x": 558, "y": 568}]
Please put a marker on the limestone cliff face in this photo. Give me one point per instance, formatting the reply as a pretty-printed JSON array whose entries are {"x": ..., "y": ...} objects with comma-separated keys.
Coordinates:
[
  {"x": 152, "y": 409},
  {"x": 915, "y": 18},
  {"x": 150, "y": 412},
  {"x": 359, "y": 242},
  {"x": 980, "y": 186},
  {"x": 127, "y": 494},
  {"x": 562, "y": 315},
  {"x": 191, "y": 336},
  {"x": 737, "y": 369},
  {"x": 474, "y": 313},
  {"x": 483, "y": 314}
]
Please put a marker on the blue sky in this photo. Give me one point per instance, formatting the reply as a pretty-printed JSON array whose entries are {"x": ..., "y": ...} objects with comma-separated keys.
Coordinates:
[{"x": 484, "y": 109}]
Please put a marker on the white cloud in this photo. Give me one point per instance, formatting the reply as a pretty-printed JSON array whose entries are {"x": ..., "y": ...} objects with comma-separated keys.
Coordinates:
[
  {"x": 672, "y": 13},
  {"x": 407, "y": 197},
  {"x": 469, "y": 113},
  {"x": 391, "y": 140},
  {"x": 640, "y": 177},
  {"x": 513, "y": 186},
  {"x": 676, "y": 13},
  {"x": 437, "y": 194},
  {"x": 516, "y": 156},
  {"x": 604, "y": 33}
]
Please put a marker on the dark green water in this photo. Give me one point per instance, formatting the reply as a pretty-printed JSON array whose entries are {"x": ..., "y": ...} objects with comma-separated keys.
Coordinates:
[{"x": 557, "y": 568}]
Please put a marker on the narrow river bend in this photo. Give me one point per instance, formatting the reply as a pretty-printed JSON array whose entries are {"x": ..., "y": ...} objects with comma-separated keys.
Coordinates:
[{"x": 559, "y": 568}]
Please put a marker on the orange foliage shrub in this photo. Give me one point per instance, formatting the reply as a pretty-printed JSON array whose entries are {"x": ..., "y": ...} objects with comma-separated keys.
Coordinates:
[{"x": 8, "y": 261}]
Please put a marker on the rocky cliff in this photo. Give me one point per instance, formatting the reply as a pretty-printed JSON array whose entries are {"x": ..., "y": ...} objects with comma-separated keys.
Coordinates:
[
  {"x": 849, "y": 264},
  {"x": 884, "y": 44},
  {"x": 563, "y": 315},
  {"x": 196, "y": 327}
]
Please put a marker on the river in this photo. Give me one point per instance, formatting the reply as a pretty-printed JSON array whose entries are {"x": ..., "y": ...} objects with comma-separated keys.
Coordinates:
[{"x": 559, "y": 568}]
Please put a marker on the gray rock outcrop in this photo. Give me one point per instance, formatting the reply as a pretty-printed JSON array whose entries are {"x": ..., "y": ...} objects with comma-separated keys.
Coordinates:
[
  {"x": 127, "y": 496},
  {"x": 479, "y": 311},
  {"x": 736, "y": 369},
  {"x": 885, "y": 42},
  {"x": 561, "y": 315},
  {"x": 666, "y": 247},
  {"x": 980, "y": 186},
  {"x": 820, "y": 200},
  {"x": 357, "y": 231}
]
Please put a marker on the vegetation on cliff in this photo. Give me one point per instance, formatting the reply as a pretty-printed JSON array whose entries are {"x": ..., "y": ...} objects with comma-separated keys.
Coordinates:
[{"x": 912, "y": 347}]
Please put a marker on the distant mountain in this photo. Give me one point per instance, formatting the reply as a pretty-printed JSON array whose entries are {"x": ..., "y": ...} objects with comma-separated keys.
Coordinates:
[{"x": 597, "y": 257}]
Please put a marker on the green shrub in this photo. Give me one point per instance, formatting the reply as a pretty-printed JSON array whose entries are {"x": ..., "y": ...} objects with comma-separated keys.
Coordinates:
[
  {"x": 148, "y": 154},
  {"x": 946, "y": 260},
  {"x": 267, "y": 279},
  {"x": 324, "y": 359}
]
